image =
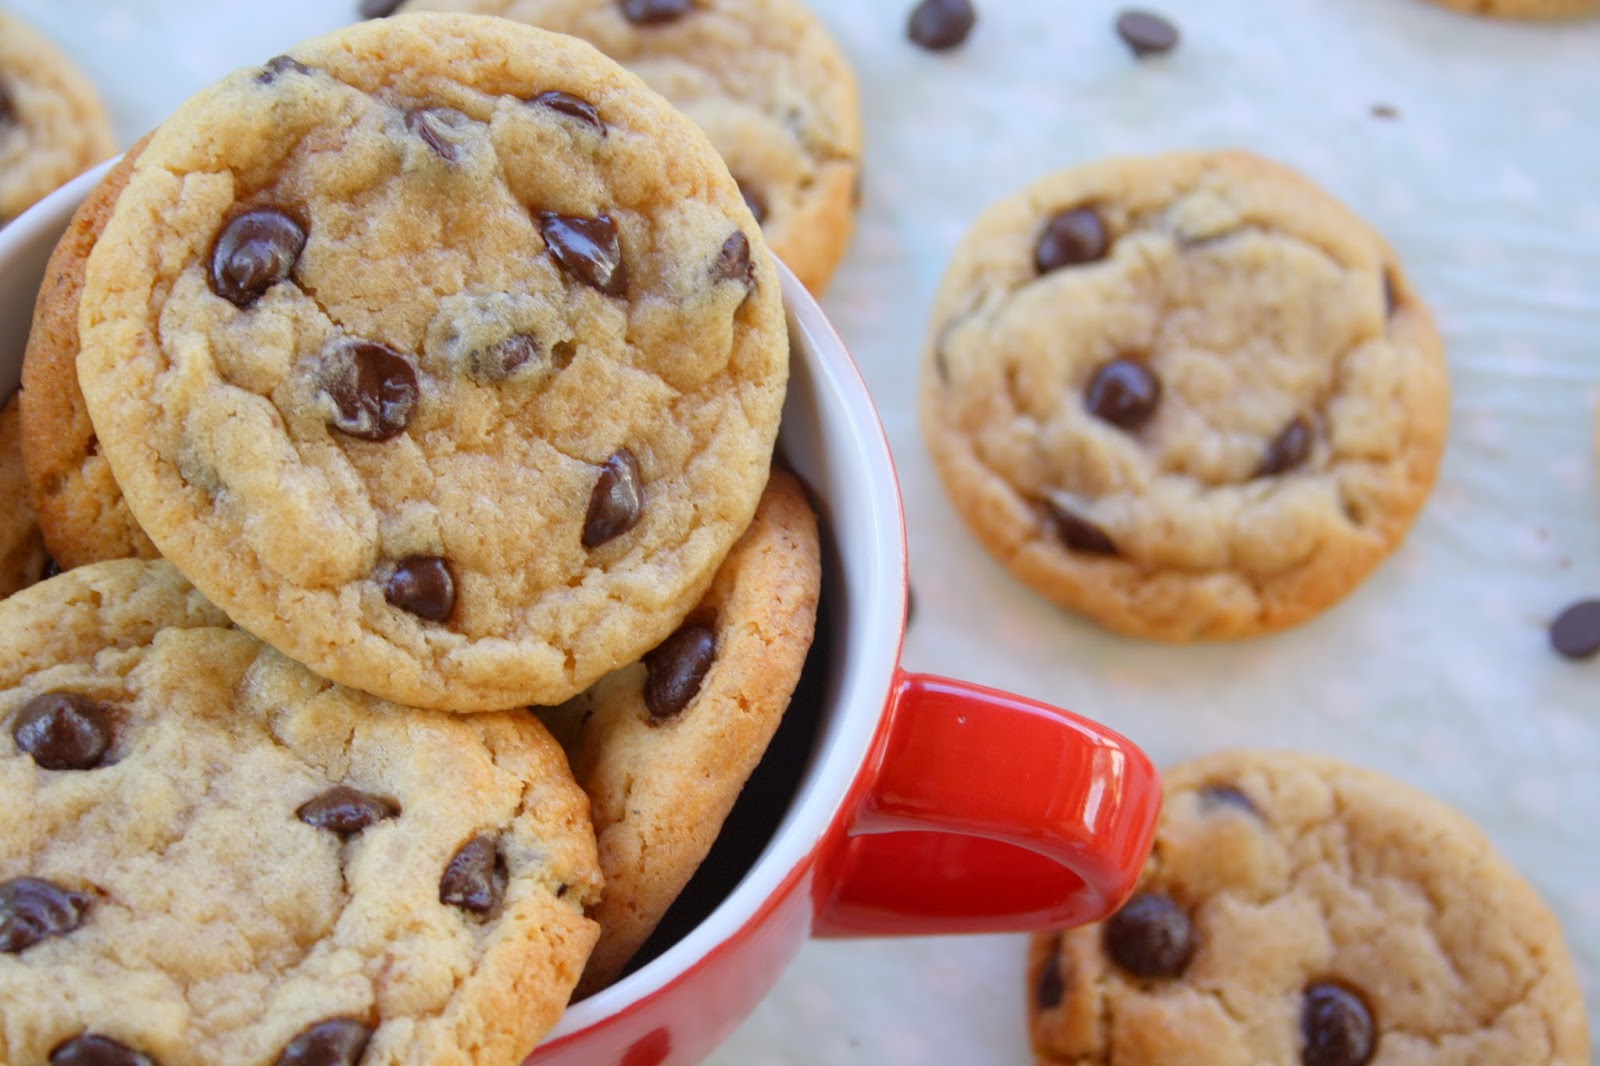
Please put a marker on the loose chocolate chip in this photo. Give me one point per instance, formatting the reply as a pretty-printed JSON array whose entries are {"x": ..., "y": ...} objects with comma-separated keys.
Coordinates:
[
  {"x": 373, "y": 388},
  {"x": 1213, "y": 796},
  {"x": 588, "y": 249},
  {"x": 1051, "y": 989},
  {"x": 279, "y": 65},
  {"x": 1077, "y": 532},
  {"x": 436, "y": 127},
  {"x": 63, "y": 731},
  {"x": 573, "y": 107},
  {"x": 474, "y": 880},
  {"x": 940, "y": 25},
  {"x": 335, "y": 1042},
  {"x": 377, "y": 9},
  {"x": 1146, "y": 33},
  {"x": 733, "y": 262},
  {"x": 1288, "y": 449},
  {"x": 1575, "y": 633},
  {"x": 254, "y": 252},
  {"x": 616, "y": 502},
  {"x": 504, "y": 358},
  {"x": 345, "y": 811},
  {"x": 675, "y": 670},
  {"x": 1073, "y": 237},
  {"x": 650, "y": 12},
  {"x": 754, "y": 201},
  {"x": 423, "y": 585},
  {"x": 32, "y": 909},
  {"x": 1150, "y": 937},
  {"x": 1337, "y": 1027},
  {"x": 91, "y": 1049},
  {"x": 1124, "y": 393}
]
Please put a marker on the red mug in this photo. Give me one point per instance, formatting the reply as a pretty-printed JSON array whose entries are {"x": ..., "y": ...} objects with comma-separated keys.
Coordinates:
[{"x": 924, "y": 805}]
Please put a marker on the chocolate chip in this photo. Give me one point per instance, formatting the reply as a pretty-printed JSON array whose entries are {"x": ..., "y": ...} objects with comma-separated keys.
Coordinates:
[
  {"x": 573, "y": 107},
  {"x": 345, "y": 811},
  {"x": 51, "y": 568},
  {"x": 91, "y": 1049},
  {"x": 1150, "y": 937},
  {"x": 1073, "y": 237},
  {"x": 474, "y": 880},
  {"x": 1390, "y": 299},
  {"x": 32, "y": 909},
  {"x": 1575, "y": 633},
  {"x": 1336, "y": 1024},
  {"x": 438, "y": 127},
  {"x": 940, "y": 25},
  {"x": 616, "y": 502},
  {"x": 755, "y": 202},
  {"x": 675, "y": 670},
  {"x": 279, "y": 65},
  {"x": 502, "y": 359},
  {"x": 588, "y": 249},
  {"x": 1146, "y": 33},
  {"x": 1077, "y": 532},
  {"x": 1051, "y": 989},
  {"x": 1213, "y": 796},
  {"x": 254, "y": 252},
  {"x": 335, "y": 1042},
  {"x": 651, "y": 12},
  {"x": 63, "y": 731},
  {"x": 1288, "y": 449},
  {"x": 733, "y": 262},
  {"x": 1124, "y": 393},
  {"x": 423, "y": 585},
  {"x": 377, "y": 9},
  {"x": 373, "y": 388}
]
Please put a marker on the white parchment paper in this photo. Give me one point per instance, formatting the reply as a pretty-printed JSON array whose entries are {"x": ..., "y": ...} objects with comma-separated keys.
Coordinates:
[{"x": 1437, "y": 671}]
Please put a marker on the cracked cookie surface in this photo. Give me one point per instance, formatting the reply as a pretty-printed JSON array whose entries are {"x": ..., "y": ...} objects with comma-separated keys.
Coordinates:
[
  {"x": 664, "y": 747},
  {"x": 772, "y": 90},
  {"x": 223, "y": 857},
  {"x": 1296, "y": 909},
  {"x": 52, "y": 124},
  {"x": 430, "y": 378},
  {"x": 1190, "y": 396}
]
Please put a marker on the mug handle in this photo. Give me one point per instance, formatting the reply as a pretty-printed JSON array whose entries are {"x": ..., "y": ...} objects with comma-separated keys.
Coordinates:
[{"x": 986, "y": 812}]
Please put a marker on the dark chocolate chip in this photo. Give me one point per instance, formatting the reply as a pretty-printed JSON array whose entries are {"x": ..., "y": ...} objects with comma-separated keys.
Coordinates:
[
  {"x": 1051, "y": 989},
  {"x": 1124, "y": 393},
  {"x": 474, "y": 880},
  {"x": 1288, "y": 449},
  {"x": 588, "y": 249},
  {"x": 1077, "y": 532},
  {"x": 63, "y": 731},
  {"x": 1074, "y": 236},
  {"x": 279, "y": 65},
  {"x": 335, "y": 1042},
  {"x": 733, "y": 262},
  {"x": 651, "y": 12},
  {"x": 255, "y": 251},
  {"x": 1575, "y": 633},
  {"x": 1390, "y": 298},
  {"x": 573, "y": 107},
  {"x": 504, "y": 358},
  {"x": 91, "y": 1049},
  {"x": 436, "y": 127},
  {"x": 616, "y": 502},
  {"x": 373, "y": 388},
  {"x": 1150, "y": 937},
  {"x": 675, "y": 670},
  {"x": 32, "y": 909},
  {"x": 423, "y": 585},
  {"x": 345, "y": 811},
  {"x": 1214, "y": 796},
  {"x": 377, "y": 9},
  {"x": 755, "y": 202},
  {"x": 940, "y": 25},
  {"x": 1146, "y": 33},
  {"x": 51, "y": 568},
  {"x": 1336, "y": 1024}
]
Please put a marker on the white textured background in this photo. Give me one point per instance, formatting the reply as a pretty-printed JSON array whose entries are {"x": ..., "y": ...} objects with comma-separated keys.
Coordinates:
[{"x": 1438, "y": 670}]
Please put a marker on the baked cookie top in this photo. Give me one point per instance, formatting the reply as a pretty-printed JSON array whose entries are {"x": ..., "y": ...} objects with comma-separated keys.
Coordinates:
[
  {"x": 663, "y": 747},
  {"x": 442, "y": 354},
  {"x": 217, "y": 857},
  {"x": 1190, "y": 395},
  {"x": 1299, "y": 910},
  {"x": 23, "y": 559},
  {"x": 770, "y": 87},
  {"x": 52, "y": 125}
]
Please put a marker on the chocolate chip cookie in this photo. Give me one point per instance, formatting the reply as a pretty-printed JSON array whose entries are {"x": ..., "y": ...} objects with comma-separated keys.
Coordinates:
[
  {"x": 770, "y": 87},
  {"x": 1525, "y": 9},
  {"x": 217, "y": 857},
  {"x": 23, "y": 559},
  {"x": 442, "y": 354},
  {"x": 1190, "y": 396},
  {"x": 81, "y": 511},
  {"x": 52, "y": 125},
  {"x": 664, "y": 746},
  {"x": 1299, "y": 910}
]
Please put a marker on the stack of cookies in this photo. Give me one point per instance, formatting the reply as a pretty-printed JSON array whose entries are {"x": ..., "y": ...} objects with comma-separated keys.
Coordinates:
[{"x": 392, "y": 401}]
